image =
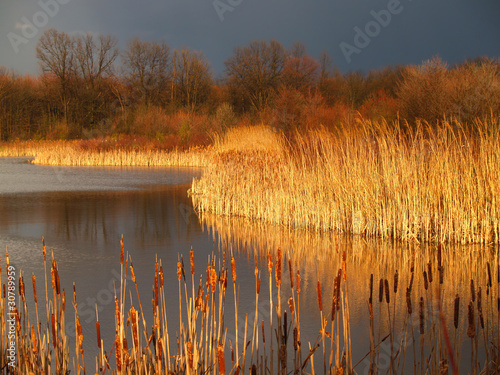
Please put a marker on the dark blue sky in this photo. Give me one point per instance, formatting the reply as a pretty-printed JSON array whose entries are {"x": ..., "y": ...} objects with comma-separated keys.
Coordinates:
[{"x": 358, "y": 34}]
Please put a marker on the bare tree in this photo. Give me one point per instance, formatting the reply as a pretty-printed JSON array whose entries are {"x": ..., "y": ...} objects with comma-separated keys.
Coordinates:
[
  {"x": 95, "y": 56},
  {"x": 55, "y": 54},
  {"x": 300, "y": 70},
  {"x": 255, "y": 70},
  {"x": 193, "y": 77},
  {"x": 149, "y": 69}
]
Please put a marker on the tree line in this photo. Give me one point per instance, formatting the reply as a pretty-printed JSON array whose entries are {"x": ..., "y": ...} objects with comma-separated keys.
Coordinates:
[{"x": 88, "y": 87}]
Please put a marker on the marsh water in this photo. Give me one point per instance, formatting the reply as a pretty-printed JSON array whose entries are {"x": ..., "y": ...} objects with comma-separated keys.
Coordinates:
[{"x": 83, "y": 211}]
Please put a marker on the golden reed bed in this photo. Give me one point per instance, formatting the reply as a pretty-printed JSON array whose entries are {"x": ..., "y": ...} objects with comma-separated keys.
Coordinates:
[
  {"x": 69, "y": 153},
  {"x": 428, "y": 183}
]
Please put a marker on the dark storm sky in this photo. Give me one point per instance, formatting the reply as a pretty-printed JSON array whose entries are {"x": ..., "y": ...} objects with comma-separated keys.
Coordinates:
[{"x": 416, "y": 30}]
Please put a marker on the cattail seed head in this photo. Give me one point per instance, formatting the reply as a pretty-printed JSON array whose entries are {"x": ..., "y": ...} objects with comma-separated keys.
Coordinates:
[
  {"x": 387, "y": 294},
  {"x": 269, "y": 262},
  {"x": 408, "y": 301},
  {"x": 44, "y": 248},
  {"x": 21, "y": 287},
  {"x": 279, "y": 262},
  {"x": 411, "y": 282},
  {"x": 426, "y": 283},
  {"x": 221, "y": 359},
  {"x": 320, "y": 298},
  {"x": 472, "y": 290},
  {"x": 122, "y": 251},
  {"x": 488, "y": 268},
  {"x": 133, "y": 273},
  {"x": 290, "y": 269},
  {"x": 161, "y": 276},
  {"x": 290, "y": 304},
  {"x": 54, "y": 336},
  {"x": 396, "y": 280},
  {"x": 233, "y": 269},
  {"x": 298, "y": 282},
  {"x": 258, "y": 285},
  {"x": 191, "y": 260},
  {"x": 263, "y": 334},
  {"x": 33, "y": 280},
  {"x": 213, "y": 280},
  {"x": 179, "y": 270},
  {"x": 439, "y": 255},
  {"x": 429, "y": 271},
  {"x": 471, "y": 329},
  {"x": 98, "y": 330},
  {"x": 456, "y": 311}
]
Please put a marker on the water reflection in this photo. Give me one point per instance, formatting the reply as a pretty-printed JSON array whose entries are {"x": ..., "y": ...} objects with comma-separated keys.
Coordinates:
[{"x": 433, "y": 277}]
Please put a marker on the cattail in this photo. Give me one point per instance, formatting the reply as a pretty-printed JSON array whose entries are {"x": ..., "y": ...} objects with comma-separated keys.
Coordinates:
[
  {"x": 254, "y": 370},
  {"x": 472, "y": 290},
  {"x": 179, "y": 270},
  {"x": 421, "y": 315},
  {"x": 98, "y": 330},
  {"x": 44, "y": 248},
  {"x": 133, "y": 273},
  {"x": 79, "y": 331},
  {"x": 190, "y": 354},
  {"x": 426, "y": 283},
  {"x": 412, "y": 264},
  {"x": 429, "y": 271},
  {"x": 233, "y": 269},
  {"x": 213, "y": 280},
  {"x": 156, "y": 287},
  {"x": 33, "y": 280},
  {"x": 298, "y": 282},
  {"x": 439, "y": 256},
  {"x": 34, "y": 341},
  {"x": 411, "y": 282},
  {"x": 191, "y": 260},
  {"x": 381, "y": 291},
  {"x": 161, "y": 276},
  {"x": 221, "y": 359},
  {"x": 489, "y": 273},
  {"x": 258, "y": 285},
  {"x": 269, "y": 262},
  {"x": 209, "y": 269},
  {"x": 471, "y": 330},
  {"x": 370, "y": 300},
  {"x": 441, "y": 275},
  {"x": 290, "y": 304},
  {"x": 122, "y": 250},
  {"x": 290, "y": 269},
  {"x": 278, "y": 268},
  {"x": 334, "y": 300},
  {"x": 480, "y": 308},
  {"x": 396, "y": 280},
  {"x": 320, "y": 298},
  {"x": 456, "y": 312},
  {"x": 387, "y": 294},
  {"x": 344, "y": 265},
  {"x": 118, "y": 353},
  {"x": 63, "y": 300},
  {"x": 263, "y": 334},
  {"x": 21, "y": 287},
  {"x": 54, "y": 337},
  {"x": 408, "y": 301},
  {"x": 182, "y": 268}
]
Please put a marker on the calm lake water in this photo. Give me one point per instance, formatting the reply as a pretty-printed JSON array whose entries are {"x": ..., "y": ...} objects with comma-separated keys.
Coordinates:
[{"x": 83, "y": 211}]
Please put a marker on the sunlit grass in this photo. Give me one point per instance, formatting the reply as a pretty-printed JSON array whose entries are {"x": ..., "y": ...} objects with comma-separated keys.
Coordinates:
[{"x": 428, "y": 183}]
